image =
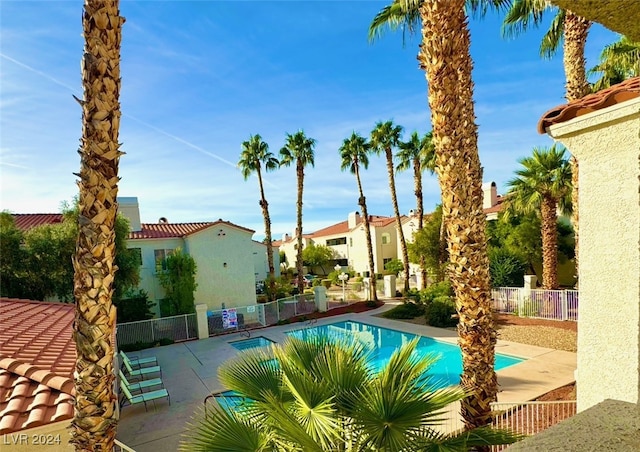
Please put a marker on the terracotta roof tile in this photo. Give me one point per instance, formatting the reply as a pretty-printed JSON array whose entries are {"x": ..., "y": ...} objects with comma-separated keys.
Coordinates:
[
  {"x": 177, "y": 230},
  {"x": 26, "y": 221},
  {"x": 629, "y": 89},
  {"x": 37, "y": 359},
  {"x": 343, "y": 227}
]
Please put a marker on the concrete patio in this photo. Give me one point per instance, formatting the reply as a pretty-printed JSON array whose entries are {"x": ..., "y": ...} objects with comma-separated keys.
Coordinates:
[{"x": 189, "y": 372}]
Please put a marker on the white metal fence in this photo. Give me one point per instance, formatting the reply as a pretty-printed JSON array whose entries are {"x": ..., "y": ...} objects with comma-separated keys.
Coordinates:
[
  {"x": 530, "y": 418},
  {"x": 177, "y": 328},
  {"x": 536, "y": 303}
]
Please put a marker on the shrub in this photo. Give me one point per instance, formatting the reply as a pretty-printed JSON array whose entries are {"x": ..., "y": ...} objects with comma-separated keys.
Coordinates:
[
  {"x": 326, "y": 283},
  {"x": 316, "y": 282},
  {"x": 407, "y": 310},
  {"x": 394, "y": 266},
  {"x": 436, "y": 290},
  {"x": 135, "y": 307},
  {"x": 440, "y": 311},
  {"x": 506, "y": 268}
]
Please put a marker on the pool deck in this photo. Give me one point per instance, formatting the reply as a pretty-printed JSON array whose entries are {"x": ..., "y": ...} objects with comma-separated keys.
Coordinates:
[{"x": 189, "y": 372}]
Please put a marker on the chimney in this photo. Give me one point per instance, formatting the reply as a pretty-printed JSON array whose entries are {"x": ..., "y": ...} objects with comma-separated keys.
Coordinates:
[
  {"x": 353, "y": 219},
  {"x": 128, "y": 207},
  {"x": 285, "y": 237},
  {"x": 490, "y": 195}
]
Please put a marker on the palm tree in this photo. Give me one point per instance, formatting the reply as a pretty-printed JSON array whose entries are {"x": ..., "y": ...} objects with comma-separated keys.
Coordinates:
[
  {"x": 574, "y": 29},
  {"x": 447, "y": 64},
  {"x": 384, "y": 137},
  {"x": 354, "y": 153},
  {"x": 300, "y": 149},
  {"x": 94, "y": 423},
  {"x": 618, "y": 62},
  {"x": 418, "y": 153},
  {"x": 255, "y": 153},
  {"x": 321, "y": 395},
  {"x": 543, "y": 185}
]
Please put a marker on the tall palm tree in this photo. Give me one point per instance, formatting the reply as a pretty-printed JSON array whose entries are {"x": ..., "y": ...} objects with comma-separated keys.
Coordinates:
[
  {"x": 543, "y": 185},
  {"x": 322, "y": 395},
  {"x": 573, "y": 29},
  {"x": 618, "y": 62},
  {"x": 384, "y": 137},
  {"x": 419, "y": 154},
  {"x": 255, "y": 153},
  {"x": 445, "y": 57},
  {"x": 299, "y": 149},
  {"x": 94, "y": 423},
  {"x": 354, "y": 153}
]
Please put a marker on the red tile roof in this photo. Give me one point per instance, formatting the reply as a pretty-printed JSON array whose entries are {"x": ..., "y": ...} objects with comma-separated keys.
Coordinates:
[
  {"x": 177, "y": 230},
  {"x": 629, "y": 89},
  {"x": 497, "y": 207},
  {"x": 26, "y": 221},
  {"x": 37, "y": 360},
  {"x": 343, "y": 227}
]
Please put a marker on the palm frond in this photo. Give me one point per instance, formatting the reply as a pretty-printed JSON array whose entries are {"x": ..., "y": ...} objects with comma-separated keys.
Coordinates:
[
  {"x": 552, "y": 39},
  {"x": 521, "y": 15}
]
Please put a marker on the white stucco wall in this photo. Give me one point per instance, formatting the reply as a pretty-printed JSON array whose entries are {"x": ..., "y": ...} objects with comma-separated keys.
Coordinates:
[
  {"x": 261, "y": 263},
  {"x": 607, "y": 145},
  {"x": 149, "y": 281},
  {"x": 232, "y": 284}
]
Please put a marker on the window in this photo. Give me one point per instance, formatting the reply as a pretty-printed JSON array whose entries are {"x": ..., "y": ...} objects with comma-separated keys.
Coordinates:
[
  {"x": 385, "y": 260},
  {"x": 386, "y": 238},
  {"x": 338, "y": 241},
  {"x": 161, "y": 259}
]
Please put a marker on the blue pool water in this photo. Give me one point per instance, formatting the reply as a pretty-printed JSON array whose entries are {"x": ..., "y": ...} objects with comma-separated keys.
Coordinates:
[
  {"x": 254, "y": 342},
  {"x": 383, "y": 342}
]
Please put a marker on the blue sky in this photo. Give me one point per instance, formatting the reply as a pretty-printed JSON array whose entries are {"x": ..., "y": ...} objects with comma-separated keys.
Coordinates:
[{"x": 199, "y": 77}]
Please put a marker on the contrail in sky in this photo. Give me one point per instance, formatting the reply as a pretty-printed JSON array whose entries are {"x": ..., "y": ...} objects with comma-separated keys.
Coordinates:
[{"x": 174, "y": 137}]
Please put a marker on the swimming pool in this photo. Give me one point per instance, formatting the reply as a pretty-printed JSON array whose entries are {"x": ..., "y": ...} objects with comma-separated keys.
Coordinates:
[
  {"x": 384, "y": 341},
  {"x": 245, "y": 344}
]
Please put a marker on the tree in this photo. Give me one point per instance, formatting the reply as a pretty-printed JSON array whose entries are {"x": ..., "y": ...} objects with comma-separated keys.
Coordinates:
[
  {"x": 299, "y": 149},
  {"x": 94, "y": 423},
  {"x": 574, "y": 29},
  {"x": 12, "y": 259},
  {"x": 255, "y": 153},
  {"x": 447, "y": 64},
  {"x": 426, "y": 245},
  {"x": 321, "y": 395},
  {"x": 418, "y": 153},
  {"x": 394, "y": 266},
  {"x": 384, "y": 137},
  {"x": 317, "y": 256},
  {"x": 543, "y": 185},
  {"x": 179, "y": 283},
  {"x": 354, "y": 154},
  {"x": 618, "y": 62}
]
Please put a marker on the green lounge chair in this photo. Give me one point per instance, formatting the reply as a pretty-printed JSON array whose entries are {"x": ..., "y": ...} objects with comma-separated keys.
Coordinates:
[
  {"x": 138, "y": 361},
  {"x": 141, "y": 372},
  {"x": 139, "y": 385},
  {"x": 144, "y": 397}
]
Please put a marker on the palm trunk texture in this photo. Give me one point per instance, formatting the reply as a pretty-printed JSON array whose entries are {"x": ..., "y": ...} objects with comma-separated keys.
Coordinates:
[
  {"x": 576, "y": 29},
  {"x": 373, "y": 295},
  {"x": 396, "y": 211},
  {"x": 446, "y": 59},
  {"x": 94, "y": 424},
  {"x": 417, "y": 182},
  {"x": 300, "y": 176},
  {"x": 267, "y": 231},
  {"x": 549, "y": 243}
]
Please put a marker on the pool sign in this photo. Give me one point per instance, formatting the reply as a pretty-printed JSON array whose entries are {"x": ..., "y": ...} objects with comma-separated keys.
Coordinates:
[{"x": 229, "y": 318}]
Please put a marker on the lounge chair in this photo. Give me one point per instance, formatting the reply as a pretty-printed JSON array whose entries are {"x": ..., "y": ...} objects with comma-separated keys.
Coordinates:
[
  {"x": 139, "y": 385},
  {"x": 137, "y": 361},
  {"x": 143, "y": 397},
  {"x": 142, "y": 371}
]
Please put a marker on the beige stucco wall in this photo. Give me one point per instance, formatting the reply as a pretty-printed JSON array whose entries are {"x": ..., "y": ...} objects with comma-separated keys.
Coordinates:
[
  {"x": 260, "y": 262},
  {"x": 607, "y": 145},
  {"x": 232, "y": 284},
  {"x": 51, "y": 438}
]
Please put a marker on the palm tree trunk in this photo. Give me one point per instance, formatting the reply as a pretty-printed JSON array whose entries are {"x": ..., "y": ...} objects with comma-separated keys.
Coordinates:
[
  {"x": 549, "y": 243},
  {"x": 417, "y": 182},
  {"x": 445, "y": 57},
  {"x": 94, "y": 424},
  {"x": 373, "y": 294},
  {"x": 396, "y": 211},
  {"x": 267, "y": 230},
  {"x": 300, "y": 177},
  {"x": 576, "y": 29}
]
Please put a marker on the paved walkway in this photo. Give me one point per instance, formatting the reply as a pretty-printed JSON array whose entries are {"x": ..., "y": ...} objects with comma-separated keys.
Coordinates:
[{"x": 189, "y": 372}]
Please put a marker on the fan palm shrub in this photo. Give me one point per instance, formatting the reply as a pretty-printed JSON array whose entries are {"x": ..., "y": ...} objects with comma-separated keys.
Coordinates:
[{"x": 324, "y": 395}]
